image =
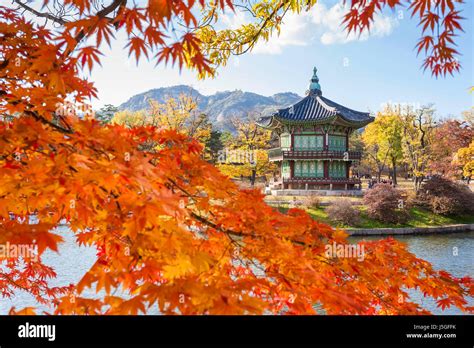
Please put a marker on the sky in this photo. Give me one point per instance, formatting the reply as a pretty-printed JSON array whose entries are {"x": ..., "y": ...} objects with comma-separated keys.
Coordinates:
[{"x": 362, "y": 72}]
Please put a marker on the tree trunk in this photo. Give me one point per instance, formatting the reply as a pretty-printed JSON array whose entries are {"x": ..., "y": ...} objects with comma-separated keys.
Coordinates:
[
  {"x": 394, "y": 173},
  {"x": 252, "y": 178},
  {"x": 418, "y": 181}
]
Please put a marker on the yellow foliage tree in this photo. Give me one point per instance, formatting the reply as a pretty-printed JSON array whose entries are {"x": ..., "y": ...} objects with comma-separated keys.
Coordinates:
[
  {"x": 246, "y": 153},
  {"x": 417, "y": 126},
  {"x": 383, "y": 140},
  {"x": 131, "y": 119},
  {"x": 179, "y": 113},
  {"x": 465, "y": 159}
]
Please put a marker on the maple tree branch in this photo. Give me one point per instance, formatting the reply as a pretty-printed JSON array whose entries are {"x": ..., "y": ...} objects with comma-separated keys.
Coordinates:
[
  {"x": 174, "y": 183},
  {"x": 49, "y": 123},
  {"x": 40, "y": 14},
  {"x": 111, "y": 8},
  {"x": 103, "y": 14},
  {"x": 237, "y": 233},
  {"x": 11, "y": 281},
  {"x": 319, "y": 258},
  {"x": 221, "y": 229},
  {"x": 43, "y": 120}
]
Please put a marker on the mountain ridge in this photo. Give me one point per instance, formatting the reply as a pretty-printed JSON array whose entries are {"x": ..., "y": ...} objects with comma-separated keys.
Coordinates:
[{"x": 220, "y": 106}]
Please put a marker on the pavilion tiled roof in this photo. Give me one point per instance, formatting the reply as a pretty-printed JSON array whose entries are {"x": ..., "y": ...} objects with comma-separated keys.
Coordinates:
[{"x": 315, "y": 108}]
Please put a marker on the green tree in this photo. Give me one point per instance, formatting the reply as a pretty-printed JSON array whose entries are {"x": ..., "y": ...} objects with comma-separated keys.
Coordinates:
[
  {"x": 214, "y": 145},
  {"x": 106, "y": 113},
  {"x": 227, "y": 138},
  {"x": 356, "y": 143}
]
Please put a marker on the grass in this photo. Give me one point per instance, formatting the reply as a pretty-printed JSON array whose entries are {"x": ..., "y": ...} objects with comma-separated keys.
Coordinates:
[{"x": 418, "y": 218}]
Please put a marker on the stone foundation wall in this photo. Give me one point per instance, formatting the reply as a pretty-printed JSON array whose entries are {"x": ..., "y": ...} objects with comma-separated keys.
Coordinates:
[
  {"x": 344, "y": 193},
  {"x": 410, "y": 230}
]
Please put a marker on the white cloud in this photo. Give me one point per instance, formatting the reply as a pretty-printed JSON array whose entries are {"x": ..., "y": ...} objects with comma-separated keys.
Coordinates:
[
  {"x": 330, "y": 21},
  {"x": 294, "y": 32},
  {"x": 235, "y": 20},
  {"x": 321, "y": 23}
]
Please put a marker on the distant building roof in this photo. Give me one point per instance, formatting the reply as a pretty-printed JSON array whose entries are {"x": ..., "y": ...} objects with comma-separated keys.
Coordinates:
[{"x": 315, "y": 108}]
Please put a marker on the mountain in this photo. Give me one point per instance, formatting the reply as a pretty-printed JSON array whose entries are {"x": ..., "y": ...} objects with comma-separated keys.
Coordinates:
[{"x": 220, "y": 107}]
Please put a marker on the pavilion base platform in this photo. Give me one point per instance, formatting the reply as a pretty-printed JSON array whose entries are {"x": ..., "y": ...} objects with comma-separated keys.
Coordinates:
[{"x": 336, "y": 193}]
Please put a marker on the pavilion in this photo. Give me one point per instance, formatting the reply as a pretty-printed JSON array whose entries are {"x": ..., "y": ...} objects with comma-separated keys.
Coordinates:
[{"x": 313, "y": 143}]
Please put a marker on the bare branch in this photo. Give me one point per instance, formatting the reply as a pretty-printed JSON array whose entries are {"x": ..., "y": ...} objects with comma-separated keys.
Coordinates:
[{"x": 40, "y": 14}]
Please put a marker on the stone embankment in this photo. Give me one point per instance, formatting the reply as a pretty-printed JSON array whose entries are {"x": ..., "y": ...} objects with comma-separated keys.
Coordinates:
[{"x": 410, "y": 230}]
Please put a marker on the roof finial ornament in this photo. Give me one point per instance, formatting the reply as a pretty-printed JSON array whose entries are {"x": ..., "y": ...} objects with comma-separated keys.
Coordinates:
[{"x": 314, "y": 86}]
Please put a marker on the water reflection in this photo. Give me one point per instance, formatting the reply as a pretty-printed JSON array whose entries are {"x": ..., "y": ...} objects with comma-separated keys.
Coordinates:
[{"x": 451, "y": 252}]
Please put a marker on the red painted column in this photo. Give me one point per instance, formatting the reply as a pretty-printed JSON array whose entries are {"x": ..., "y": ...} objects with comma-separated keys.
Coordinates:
[
  {"x": 348, "y": 165},
  {"x": 326, "y": 169},
  {"x": 292, "y": 169}
]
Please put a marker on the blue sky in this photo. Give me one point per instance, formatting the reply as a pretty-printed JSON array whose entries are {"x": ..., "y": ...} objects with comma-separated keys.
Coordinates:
[{"x": 361, "y": 73}]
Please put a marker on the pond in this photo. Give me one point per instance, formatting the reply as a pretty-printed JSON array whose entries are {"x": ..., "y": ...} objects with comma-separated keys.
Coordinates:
[
  {"x": 452, "y": 252},
  {"x": 73, "y": 261}
]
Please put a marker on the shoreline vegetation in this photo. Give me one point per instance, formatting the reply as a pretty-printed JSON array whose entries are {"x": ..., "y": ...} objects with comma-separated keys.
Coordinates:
[{"x": 418, "y": 218}]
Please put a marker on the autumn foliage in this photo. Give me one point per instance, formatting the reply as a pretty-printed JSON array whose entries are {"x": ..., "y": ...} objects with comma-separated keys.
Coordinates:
[
  {"x": 446, "y": 197},
  {"x": 343, "y": 211},
  {"x": 170, "y": 230},
  {"x": 448, "y": 138},
  {"x": 440, "y": 21},
  {"x": 386, "y": 203}
]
